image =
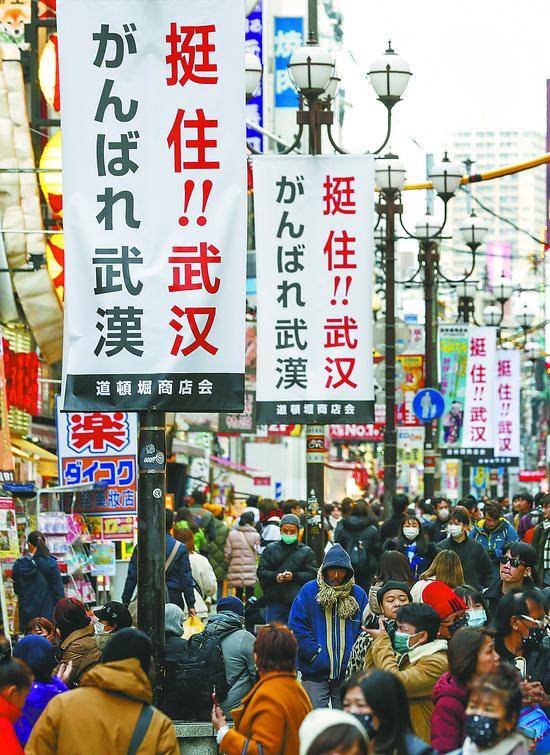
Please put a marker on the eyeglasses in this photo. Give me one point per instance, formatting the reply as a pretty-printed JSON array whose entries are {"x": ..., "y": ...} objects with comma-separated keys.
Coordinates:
[
  {"x": 541, "y": 623},
  {"x": 515, "y": 562}
]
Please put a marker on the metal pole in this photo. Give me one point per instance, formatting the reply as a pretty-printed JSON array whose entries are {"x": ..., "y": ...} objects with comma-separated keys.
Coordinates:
[
  {"x": 429, "y": 251},
  {"x": 390, "y": 432},
  {"x": 151, "y": 538},
  {"x": 312, "y": 19}
]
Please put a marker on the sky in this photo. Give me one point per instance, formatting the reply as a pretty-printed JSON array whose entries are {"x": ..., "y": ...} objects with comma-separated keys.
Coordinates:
[{"x": 476, "y": 65}]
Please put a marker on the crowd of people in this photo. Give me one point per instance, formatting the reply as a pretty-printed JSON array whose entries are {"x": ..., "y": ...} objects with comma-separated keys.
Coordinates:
[{"x": 422, "y": 631}]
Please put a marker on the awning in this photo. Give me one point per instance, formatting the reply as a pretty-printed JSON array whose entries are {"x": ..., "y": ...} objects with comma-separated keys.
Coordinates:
[{"x": 46, "y": 462}]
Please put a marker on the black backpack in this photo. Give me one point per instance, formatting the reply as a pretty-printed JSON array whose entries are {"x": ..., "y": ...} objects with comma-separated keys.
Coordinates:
[
  {"x": 201, "y": 671},
  {"x": 361, "y": 556}
]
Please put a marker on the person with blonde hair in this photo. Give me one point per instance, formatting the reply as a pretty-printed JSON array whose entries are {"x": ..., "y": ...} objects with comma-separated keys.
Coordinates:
[{"x": 446, "y": 567}]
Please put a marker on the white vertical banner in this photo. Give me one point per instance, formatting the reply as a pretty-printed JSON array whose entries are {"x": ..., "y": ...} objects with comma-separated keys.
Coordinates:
[
  {"x": 479, "y": 410},
  {"x": 154, "y": 195},
  {"x": 507, "y": 405},
  {"x": 314, "y": 221}
]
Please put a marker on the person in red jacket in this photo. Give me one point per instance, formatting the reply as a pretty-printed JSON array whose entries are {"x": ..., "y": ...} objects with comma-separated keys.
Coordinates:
[
  {"x": 15, "y": 684},
  {"x": 471, "y": 654}
]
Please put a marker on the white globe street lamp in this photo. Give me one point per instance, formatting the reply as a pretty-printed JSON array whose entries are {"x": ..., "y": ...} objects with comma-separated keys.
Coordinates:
[
  {"x": 389, "y": 76},
  {"x": 474, "y": 231},
  {"x": 492, "y": 315},
  {"x": 446, "y": 177},
  {"x": 389, "y": 173},
  {"x": 253, "y": 73},
  {"x": 427, "y": 228},
  {"x": 310, "y": 68}
]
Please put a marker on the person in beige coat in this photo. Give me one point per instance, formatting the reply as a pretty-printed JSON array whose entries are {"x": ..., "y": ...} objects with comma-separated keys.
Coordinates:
[
  {"x": 416, "y": 656},
  {"x": 241, "y": 548},
  {"x": 78, "y": 641},
  {"x": 100, "y": 717}
]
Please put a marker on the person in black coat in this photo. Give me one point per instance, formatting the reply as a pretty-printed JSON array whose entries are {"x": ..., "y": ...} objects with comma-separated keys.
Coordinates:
[
  {"x": 37, "y": 581},
  {"x": 413, "y": 543},
  {"x": 359, "y": 536},
  {"x": 476, "y": 564},
  {"x": 284, "y": 567},
  {"x": 392, "y": 527},
  {"x": 516, "y": 572}
]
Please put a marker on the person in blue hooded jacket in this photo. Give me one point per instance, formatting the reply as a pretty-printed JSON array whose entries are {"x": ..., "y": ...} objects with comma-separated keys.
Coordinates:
[
  {"x": 37, "y": 581},
  {"x": 39, "y": 655},
  {"x": 326, "y": 619}
]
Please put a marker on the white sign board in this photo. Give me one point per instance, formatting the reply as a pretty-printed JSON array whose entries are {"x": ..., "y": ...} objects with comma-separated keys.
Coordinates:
[
  {"x": 314, "y": 220},
  {"x": 479, "y": 412},
  {"x": 154, "y": 195}
]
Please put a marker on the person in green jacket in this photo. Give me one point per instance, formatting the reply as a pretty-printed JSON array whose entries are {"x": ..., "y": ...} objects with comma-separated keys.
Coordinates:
[
  {"x": 216, "y": 546},
  {"x": 186, "y": 521}
]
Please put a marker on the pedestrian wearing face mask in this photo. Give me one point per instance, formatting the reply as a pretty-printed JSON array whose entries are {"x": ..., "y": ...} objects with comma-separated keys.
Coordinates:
[
  {"x": 493, "y": 531},
  {"x": 437, "y": 529},
  {"x": 450, "y": 608},
  {"x": 476, "y": 564},
  {"x": 414, "y": 544},
  {"x": 492, "y": 716},
  {"x": 471, "y": 654},
  {"x": 111, "y": 618},
  {"x": 284, "y": 568},
  {"x": 416, "y": 657},
  {"x": 521, "y": 629},
  {"x": 476, "y": 607},
  {"x": 516, "y": 572},
  {"x": 326, "y": 620}
]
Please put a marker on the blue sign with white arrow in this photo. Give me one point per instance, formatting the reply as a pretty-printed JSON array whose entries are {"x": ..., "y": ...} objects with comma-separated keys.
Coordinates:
[{"x": 428, "y": 404}]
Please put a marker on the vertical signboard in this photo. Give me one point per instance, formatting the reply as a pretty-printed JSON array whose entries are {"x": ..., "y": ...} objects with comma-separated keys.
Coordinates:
[
  {"x": 453, "y": 360},
  {"x": 479, "y": 424},
  {"x": 314, "y": 247},
  {"x": 289, "y": 36},
  {"x": 100, "y": 447},
  {"x": 154, "y": 198},
  {"x": 507, "y": 405},
  {"x": 255, "y": 105},
  {"x": 6, "y": 456}
]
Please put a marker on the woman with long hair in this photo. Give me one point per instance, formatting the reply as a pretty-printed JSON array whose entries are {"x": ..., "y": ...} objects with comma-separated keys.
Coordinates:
[
  {"x": 379, "y": 701},
  {"x": 393, "y": 566},
  {"x": 414, "y": 544},
  {"x": 77, "y": 635},
  {"x": 37, "y": 581},
  {"x": 445, "y": 567},
  {"x": 241, "y": 549}
]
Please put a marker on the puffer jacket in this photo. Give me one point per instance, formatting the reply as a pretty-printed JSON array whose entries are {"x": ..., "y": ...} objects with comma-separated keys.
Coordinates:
[
  {"x": 240, "y": 553},
  {"x": 494, "y": 541},
  {"x": 38, "y": 698},
  {"x": 38, "y": 585},
  {"x": 101, "y": 716},
  {"x": 449, "y": 714},
  {"x": 9, "y": 714},
  {"x": 81, "y": 648},
  {"x": 361, "y": 540},
  {"x": 216, "y": 547},
  {"x": 278, "y": 557},
  {"x": 238, "y": 656}
]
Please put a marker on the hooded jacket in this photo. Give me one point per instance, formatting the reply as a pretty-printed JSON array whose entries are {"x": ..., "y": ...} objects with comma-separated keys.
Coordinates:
[
  {"x": 324, "y": 638},
  {"x": 81, "y": 648},
  {"x": 100, "y": 716},
  {"x": 494, "y": 540},
  {"x": 9, "y": 714},
  {"x": 297, "y": 558},
  {"x": 216, "y": 547},
  {"x": 178, "y": 577},
  {"x": 418, "y": 670},
  {"x": 38, "y": 585},
  {"x": 238, "y": 654},
  {"x": 354, "y": 530},
  {"x": 450, "y": 698}
]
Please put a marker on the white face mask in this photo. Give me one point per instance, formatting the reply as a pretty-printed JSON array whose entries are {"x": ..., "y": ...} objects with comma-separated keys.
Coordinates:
[
  {"x": 443, "y": 514},
  {"x": 411, "y": 533},
  {"x": 454, "y": 530}
]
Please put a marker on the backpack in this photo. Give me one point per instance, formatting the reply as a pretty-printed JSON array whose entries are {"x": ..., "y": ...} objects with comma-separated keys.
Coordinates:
[
  {"x": 201, "y": 671},
  {"x": 362, "y": 559}
]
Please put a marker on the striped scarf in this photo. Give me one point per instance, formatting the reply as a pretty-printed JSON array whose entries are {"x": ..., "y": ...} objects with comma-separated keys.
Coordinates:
[{"x": 328, "y": 595}]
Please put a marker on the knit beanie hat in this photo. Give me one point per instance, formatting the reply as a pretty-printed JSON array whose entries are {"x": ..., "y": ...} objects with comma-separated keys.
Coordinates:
[
  {"x": 39, "y": 655},
  {"x": 173, "y": 619},
  {"x": 291, "y": 519},
  {"x": 128, "y": 643},
  {"x": 318, "y": 721},
  {"x": 393, "y": 585},
  {"x": 231, "y": 603},
  {"x": 445, "y": 601}
]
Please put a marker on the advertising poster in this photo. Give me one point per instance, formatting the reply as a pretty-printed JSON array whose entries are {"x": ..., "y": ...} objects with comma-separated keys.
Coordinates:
[
  {"x": 410, "y": 379},
  {"x": 103, "y": 559},
  {"x": 314, "y": 252},
  {"x": 453, "y": 362},
  {"x": 100, "y": 447},
  {"x": 119, "y": 527},
  {"x": 154, "y": 204},
  {"x": 238, "y": 424},
  {"x": 9, "y": 543},
  {"x": 289, "y": 36}
]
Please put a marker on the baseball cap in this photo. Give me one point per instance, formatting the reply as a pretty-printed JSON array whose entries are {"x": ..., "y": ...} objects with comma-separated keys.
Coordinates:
[{"x": 115, "y": 614}]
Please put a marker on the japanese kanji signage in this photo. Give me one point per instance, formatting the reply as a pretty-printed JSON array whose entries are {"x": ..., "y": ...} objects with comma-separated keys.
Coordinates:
[
  {"x": 100, "y": 447},
  {"x": 479, "y": 416},
  {"x": 288, "y": 37},
  {"x": 314, "y": 247},
  {"x": 507, "y": 405},
  {"x": 6, "y": 456},
  {"x": 154, "y": 195}
]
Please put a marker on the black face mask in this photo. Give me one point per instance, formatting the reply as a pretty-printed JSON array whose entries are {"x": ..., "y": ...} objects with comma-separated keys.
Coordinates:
[
  {"x": 482, "y": 730},
  {"x": 535, "y": 638},
  {"x": 462, "y": 622},
  {"x": 365, "y": 719}
]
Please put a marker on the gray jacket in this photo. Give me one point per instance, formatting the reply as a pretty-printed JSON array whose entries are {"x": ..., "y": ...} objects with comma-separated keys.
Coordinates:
[{"x": 238, "y": 654}]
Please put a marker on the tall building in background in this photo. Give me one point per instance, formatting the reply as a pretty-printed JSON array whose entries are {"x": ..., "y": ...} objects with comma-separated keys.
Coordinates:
[{"x": 519, "y": 198}]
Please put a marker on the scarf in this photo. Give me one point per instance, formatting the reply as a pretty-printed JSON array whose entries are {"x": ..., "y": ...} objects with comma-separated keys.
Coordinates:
[{"x": 328, "y": 595}]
